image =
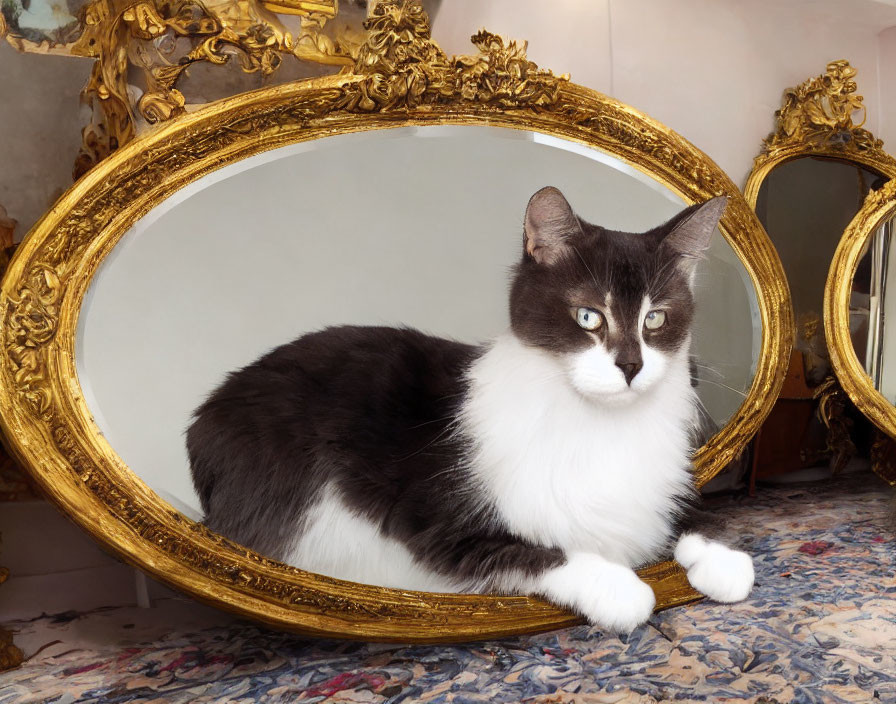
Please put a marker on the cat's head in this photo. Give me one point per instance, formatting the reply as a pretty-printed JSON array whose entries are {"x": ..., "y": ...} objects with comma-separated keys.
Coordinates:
[{"x": 615, "y": 308}]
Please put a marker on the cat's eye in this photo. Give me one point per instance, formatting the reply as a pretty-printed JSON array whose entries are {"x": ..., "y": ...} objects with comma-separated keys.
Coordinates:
[
  {"x": 588, "y": 318},
  {"x": 655, "y": 319}
]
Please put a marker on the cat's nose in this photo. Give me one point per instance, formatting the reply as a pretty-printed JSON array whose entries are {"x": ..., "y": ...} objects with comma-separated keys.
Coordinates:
[{"x": 630, "y": 369}]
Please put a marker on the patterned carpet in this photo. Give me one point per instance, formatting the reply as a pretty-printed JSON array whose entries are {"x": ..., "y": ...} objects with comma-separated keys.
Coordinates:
[{"x": 819, "y": 627}]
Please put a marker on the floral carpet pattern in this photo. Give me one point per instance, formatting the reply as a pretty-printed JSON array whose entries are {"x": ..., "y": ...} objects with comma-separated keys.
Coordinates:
[{"x": 820, "y": 626}]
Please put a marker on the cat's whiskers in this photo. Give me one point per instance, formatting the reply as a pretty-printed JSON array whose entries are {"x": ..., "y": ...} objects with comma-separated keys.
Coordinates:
[
  {"x": 587, "y": 268},
  {"x": 429, "y": 422},
  {"x": 709, "y": 369},
  {"x": 724, "y": 386},
  {"x": 701, "y": 408},
  {"x": 662, "y": 276}
]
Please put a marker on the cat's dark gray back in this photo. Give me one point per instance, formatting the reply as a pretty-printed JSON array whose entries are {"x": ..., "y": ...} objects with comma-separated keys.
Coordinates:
[{"x": 370, "y": 408}]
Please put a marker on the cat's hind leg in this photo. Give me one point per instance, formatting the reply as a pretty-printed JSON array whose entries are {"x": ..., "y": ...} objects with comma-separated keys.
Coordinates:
[{"x": 714, "y": 569}]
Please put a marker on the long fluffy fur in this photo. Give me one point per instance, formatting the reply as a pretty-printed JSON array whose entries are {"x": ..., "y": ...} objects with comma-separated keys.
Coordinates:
[{"x": 552, "y": 460}]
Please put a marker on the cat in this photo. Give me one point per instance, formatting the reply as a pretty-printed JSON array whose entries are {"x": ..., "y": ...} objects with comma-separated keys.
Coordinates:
[{"x": 551, "y": 461}]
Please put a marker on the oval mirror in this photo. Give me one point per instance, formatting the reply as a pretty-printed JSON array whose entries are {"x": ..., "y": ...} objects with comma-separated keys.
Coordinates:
[
  {"x": 344, "y": 200},
  {"x": 858, "y": 299},
  {"x": 809, "y": 181},
  {"x": 805, "y": 205},
  {"x": 812, "y": 176}
]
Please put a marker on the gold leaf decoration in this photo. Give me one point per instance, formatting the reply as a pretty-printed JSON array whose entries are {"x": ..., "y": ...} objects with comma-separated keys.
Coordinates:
[
  {"x": 819, "y": 111},
  {"x": 31, "y": 326},
  {"x": 216, "y": 30},
  {"x": 405, "y": 68},
  {"x": 816, "y": 119}
]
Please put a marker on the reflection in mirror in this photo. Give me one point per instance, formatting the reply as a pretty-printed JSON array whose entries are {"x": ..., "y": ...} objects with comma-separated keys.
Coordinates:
[
  {"x": 415, "y": 227},
  {"x": 872, "y": 302},
  {"x": 804, "y": 205}
]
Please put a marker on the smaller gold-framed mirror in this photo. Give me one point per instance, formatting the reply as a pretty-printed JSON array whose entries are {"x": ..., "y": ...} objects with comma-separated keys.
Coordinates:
[
  {"x": 812, "y": 176},
  {"x": 859, "y": 299},
  {"x": 810, "y": 179}
]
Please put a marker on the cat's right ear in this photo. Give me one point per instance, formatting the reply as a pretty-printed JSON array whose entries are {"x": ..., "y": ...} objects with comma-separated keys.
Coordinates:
[{"x": 550, "y": 223}]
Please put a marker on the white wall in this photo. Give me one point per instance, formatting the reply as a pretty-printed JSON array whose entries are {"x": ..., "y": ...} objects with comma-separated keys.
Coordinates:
[
  {"x": 713, "y": 70},
  {"x": 887, "y": 93}
]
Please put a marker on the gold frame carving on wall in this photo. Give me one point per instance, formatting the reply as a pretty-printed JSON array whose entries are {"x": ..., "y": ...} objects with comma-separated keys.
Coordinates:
[
  {"x": 142, "y": 36},
  {"x": 878, "y": 208},
  {"x": 816, "y": 119},
  {"x": 400, "y": 78},
  {"x": 248, "y": 31}
]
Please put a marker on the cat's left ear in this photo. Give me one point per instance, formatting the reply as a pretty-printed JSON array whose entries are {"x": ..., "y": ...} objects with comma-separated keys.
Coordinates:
[
  {"x": 691, "y": 230},
  {"x": 549, "y": 226}
]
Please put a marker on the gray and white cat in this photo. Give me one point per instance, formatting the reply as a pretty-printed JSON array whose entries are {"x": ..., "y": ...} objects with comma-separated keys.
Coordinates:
[{"x": 553, "y": 460}]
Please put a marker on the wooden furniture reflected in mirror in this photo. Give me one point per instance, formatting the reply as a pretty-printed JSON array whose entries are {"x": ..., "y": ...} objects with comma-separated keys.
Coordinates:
[
  {"x": 814, "y": 172},
  {"x": 774, "y": 450}
]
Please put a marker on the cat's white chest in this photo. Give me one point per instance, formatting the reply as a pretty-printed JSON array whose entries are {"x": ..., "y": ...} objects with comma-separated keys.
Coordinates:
[{"x": 563, "y": 472}]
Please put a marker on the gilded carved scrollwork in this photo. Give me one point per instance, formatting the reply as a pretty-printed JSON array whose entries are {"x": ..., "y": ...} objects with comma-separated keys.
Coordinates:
[
  {"x": 400, "y": 77},
  {"x": 147, "y": 36},
  {"x": 30, "y": 328},
  {"x": 820, "y": 112},
  {"x": 816, "y": 118},
  {"x": 832, "y": 404},
  {"x": 405, "y": 68}
]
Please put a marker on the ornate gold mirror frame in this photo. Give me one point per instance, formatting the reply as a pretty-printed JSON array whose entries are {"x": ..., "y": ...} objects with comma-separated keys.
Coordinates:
[
  {"x": 401, "y": 77},
  {"x": 878, "y": 208},
  {"x": 816, "y": 119}
]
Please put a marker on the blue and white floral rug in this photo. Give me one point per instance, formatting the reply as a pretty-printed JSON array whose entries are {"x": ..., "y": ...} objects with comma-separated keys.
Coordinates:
[{"x": 820, "y": 626}]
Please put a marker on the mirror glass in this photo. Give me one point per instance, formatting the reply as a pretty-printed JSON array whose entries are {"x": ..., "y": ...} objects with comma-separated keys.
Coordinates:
[
  {"x": 805, "y": 205},
  {"x": 415, "y": 226},
  {"x": 872, "y": 302}
]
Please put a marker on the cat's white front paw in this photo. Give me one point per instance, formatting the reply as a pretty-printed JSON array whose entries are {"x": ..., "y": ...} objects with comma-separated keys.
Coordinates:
[
  {"x": 715, "y": 570},
  {"x": 609, "y": 595}
]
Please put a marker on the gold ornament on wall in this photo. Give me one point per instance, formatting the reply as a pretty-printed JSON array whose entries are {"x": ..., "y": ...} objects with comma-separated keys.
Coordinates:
[
  {"x": 121, "y": 34},
  {"x": 820, "y": 112},
  {"x": 399, "y": 78},
  {"x": 126, "y": 36},
  {"x": 816, "y": 118},
  {"x": 405, "y": 68}
]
